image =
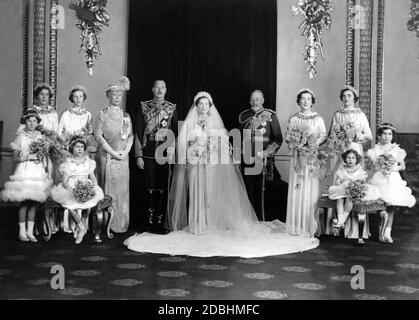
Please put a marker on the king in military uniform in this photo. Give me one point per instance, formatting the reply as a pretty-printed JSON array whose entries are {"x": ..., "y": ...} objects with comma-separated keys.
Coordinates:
[
  {"x": 154, "y": 115},
  {"x": 262, "y": 138}
]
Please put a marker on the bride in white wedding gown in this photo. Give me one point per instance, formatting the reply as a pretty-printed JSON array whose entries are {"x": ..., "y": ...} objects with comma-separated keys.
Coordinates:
[{"x": 209, "y": 212}]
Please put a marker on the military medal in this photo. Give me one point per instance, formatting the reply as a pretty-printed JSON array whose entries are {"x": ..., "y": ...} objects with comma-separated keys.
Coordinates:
[{"x": 263, "y": 130}]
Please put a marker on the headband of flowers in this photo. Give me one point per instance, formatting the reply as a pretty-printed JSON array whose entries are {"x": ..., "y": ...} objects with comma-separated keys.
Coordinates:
[
  {"x": 349, "y": 87},
  {"x": 386, "y": 126}
]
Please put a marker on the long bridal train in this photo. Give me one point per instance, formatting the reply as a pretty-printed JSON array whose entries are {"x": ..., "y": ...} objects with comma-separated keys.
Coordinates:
[{"x": 209, "y": 211}]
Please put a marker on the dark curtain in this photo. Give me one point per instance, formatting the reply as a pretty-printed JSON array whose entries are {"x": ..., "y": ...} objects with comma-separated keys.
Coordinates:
[{"x": 225, "y": 47}]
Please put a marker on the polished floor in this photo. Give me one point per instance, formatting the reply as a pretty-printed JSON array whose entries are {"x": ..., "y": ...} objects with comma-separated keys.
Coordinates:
[{"x": 110, "y": 271}]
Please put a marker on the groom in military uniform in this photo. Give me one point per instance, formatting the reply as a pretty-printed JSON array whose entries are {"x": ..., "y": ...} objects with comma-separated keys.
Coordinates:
[
  {"x": 262, "y": 138},
  {"x": 154, "y": 115}
]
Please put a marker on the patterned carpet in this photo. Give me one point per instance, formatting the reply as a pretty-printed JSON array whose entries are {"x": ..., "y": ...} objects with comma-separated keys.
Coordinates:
[{"x": 110, "y": 271}]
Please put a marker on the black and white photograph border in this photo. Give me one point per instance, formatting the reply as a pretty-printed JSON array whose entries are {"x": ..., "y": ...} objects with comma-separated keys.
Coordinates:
[{"x": 111, "y": 185}]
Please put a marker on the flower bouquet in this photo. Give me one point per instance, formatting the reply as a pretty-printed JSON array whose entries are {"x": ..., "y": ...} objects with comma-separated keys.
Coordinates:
[
  {"x": 84, "y": 191},
  {"x": 357, "y": 190},
  {"x": 384, "y": 164},
  {"x": 340, "y": 137},
  {"x": 305, "y": 144},
  {"x": 197, "y": 150},
  {"x": 57, "y": 147},
  {"x": 39, "y": 148}
]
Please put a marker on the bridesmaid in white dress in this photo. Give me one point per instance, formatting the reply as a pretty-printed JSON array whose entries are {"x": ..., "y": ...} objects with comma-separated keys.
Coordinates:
[
  {"x": 48, "y": 115},
  {"x": 304, "y": 185},
  {"x": 394, "y": 190},
  {"x": 42, "y": 94},
  {"x": 346, "y": 114},
  {"x": 76, "y": 120},
  {"x": 30, "y": 183}
]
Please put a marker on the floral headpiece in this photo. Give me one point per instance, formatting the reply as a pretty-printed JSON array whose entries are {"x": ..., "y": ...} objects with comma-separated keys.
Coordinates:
[
  {"x": 385, "y": 126},
  {"x": 76, "y": 139},
  {"x": 203, "y": 94},
  {"x": 43, "y": 85},
  {"x": 307, "y": 90},
  {"x": 123, "y": 84},
  {"x": 348, "y": 87}
]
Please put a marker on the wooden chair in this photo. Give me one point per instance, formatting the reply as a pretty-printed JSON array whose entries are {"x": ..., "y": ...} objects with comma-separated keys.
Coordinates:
[
  {"x": 101, "y": 216},
  {"x": 360, "y": 209}
]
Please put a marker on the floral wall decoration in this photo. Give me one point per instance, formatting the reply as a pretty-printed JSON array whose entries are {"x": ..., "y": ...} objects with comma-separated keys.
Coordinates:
[
  {"x": 317, "y": 16},
  {"x": 413, "y": 23},
  {"x": 92, "y": 17}
]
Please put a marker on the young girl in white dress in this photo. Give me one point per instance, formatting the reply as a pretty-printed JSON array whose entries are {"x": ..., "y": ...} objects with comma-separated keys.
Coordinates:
[
  {"x": 76, "y": 120},
  {"x": 393, "y": 188},
  {"x": 78, "y": 167},
  {"x": 30, "y": 183},
  {"x": 350, "y": 171}
]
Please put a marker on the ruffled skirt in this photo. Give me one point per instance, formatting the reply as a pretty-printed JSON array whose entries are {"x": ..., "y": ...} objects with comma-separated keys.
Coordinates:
[
  {"x": 393, "y": 189},
  {"x": 67, "y": 199},
  {"x": 30, "y": 182}
]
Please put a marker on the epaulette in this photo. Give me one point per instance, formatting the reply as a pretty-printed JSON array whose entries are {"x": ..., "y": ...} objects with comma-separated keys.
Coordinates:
[
  {"x": 243, "y": 113},
  {"x": 170, "y": 104}
]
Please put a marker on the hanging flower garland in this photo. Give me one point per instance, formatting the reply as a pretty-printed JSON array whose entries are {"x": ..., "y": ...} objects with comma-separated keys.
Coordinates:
[
  {"x": 92, "y": 17},
  {"x": 413, "y": 23},
  {"x": 317, "y": 16}
]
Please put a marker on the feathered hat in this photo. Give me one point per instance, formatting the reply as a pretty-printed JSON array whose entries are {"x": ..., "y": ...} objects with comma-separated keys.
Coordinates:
[{"x": 123, "y": 84}]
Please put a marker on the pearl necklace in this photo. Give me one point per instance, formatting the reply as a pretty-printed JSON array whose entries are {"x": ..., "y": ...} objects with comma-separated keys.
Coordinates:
[
  {"x": 79, "y": 113},
  {"x": 348, "y": 111},
  {"x": 307, "y": 117},
  {"x": 41, "y": 110},
  {"x": 118, "y": 113}
]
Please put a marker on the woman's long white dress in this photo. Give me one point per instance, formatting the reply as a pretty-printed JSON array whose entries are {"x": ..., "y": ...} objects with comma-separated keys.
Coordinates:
[
  {"x": 304, "y": 186},
  {"x": 219, "y": 220}
]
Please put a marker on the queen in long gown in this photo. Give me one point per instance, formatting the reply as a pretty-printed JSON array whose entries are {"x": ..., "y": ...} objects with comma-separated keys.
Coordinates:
[
  {"x": 209, "y": 211},
  {"x": 304, "y": 181},
  {"x": 113, "y": 132},
  {"x": 349, "y": 114}
]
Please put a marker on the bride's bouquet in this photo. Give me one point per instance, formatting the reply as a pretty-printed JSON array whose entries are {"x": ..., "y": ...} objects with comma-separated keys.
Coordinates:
[
  {"x": 340, "y": 137},
  {"x": 384, "y": 164},
  {"x": 197, "y": 149},
  {"x": 84, "y": 191}
]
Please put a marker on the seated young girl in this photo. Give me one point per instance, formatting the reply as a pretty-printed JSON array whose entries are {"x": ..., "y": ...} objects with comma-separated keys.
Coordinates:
[
  {"x": 350, "y": 171},
  {"x": 387, "y": 160},
  {"x": 78, "y": 189}
]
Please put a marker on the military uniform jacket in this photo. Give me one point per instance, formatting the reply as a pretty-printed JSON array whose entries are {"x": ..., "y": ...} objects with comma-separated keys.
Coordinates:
[
  {"x": 150, "y": 118},
  {"x": 261, "y": 126}
]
